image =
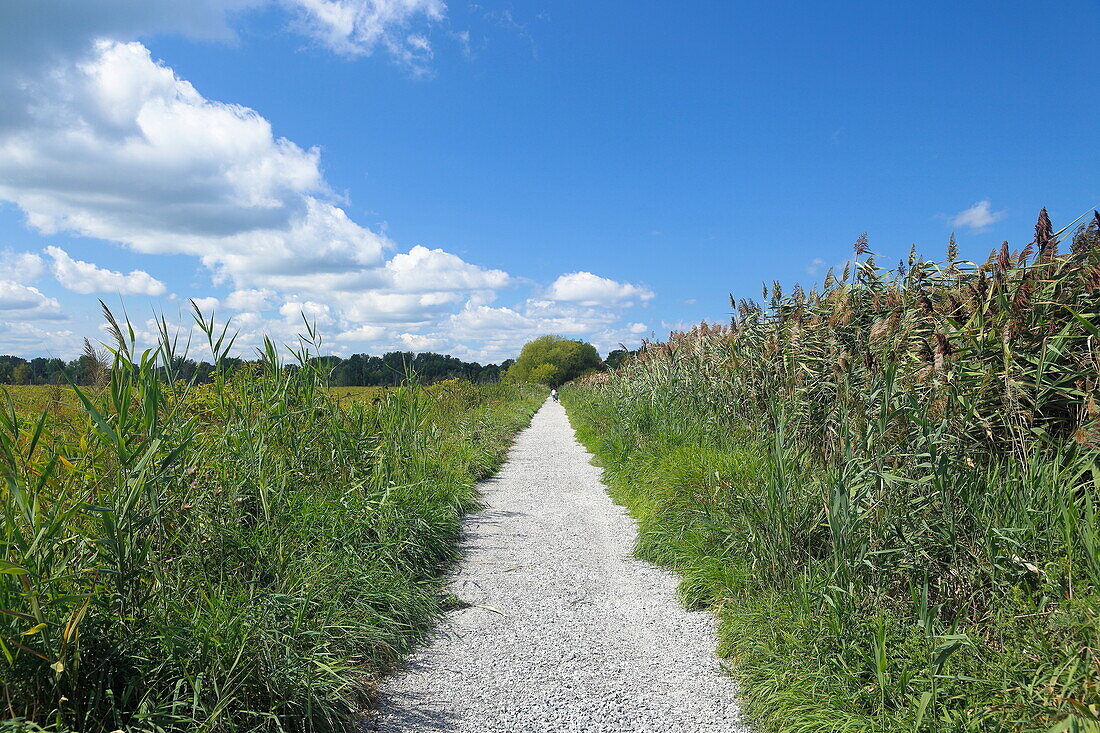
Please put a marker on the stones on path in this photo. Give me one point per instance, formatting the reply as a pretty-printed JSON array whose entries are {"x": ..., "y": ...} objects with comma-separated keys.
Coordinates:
[{"x": 564, "y": 630}]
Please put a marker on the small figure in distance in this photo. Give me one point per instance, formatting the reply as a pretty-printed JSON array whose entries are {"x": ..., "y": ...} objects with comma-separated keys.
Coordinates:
[{"x": 554, "y": 394}]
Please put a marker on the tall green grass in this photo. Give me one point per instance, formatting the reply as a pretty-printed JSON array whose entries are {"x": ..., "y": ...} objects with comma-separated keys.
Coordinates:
[
  {"x": 888, "y": 487},
  {"x": 247, "y": 555}
]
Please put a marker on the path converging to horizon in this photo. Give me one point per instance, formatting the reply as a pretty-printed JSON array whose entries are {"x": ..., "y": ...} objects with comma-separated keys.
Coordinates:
[{"x": 564, "y": 630}]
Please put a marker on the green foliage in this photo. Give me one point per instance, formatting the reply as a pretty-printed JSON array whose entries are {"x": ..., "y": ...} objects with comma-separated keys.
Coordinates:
[
  {"x": 358, "y": 370},
  {"x": 247, "y": 555},
  {"x": 887, "y": 488},
  {"x": 553, "y": 360},
  {"x": 547, "y": 374},
  {"x": 617, "y": 357}
]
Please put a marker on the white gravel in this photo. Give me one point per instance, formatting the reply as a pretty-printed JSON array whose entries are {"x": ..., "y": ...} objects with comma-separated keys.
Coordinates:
[{"x": 565, "y": 631}]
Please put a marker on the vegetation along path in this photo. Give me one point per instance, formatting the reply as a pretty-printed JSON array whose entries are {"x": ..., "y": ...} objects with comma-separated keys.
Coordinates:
[{"x": 560, "y": 628}]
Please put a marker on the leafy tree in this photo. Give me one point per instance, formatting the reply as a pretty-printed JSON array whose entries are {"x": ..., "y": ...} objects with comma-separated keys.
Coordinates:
[
  {"x": 567, "y": 359},
  {"x": 21, "y": 374},
  {"x": 617, "y": 358},
  {"x": 544, "y": 374}
]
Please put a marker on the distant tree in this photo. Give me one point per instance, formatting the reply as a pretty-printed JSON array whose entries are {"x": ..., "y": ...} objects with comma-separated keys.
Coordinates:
[
  {"x": 553, "y": 360},
  {"x": 617, "y": 358},
  {"x": 204, "y": 372},
  {"x": 358, "y": 370},
  {"x": 21, "y": 374},
  {"x": 7, "y": 365}
]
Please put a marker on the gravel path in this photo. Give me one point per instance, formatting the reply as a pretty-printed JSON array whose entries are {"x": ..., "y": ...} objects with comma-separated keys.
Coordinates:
[{"x": 565, "y": 631}]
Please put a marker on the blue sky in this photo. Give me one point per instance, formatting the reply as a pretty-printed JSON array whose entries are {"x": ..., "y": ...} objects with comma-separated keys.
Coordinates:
[{"x": 461, "y": 176}]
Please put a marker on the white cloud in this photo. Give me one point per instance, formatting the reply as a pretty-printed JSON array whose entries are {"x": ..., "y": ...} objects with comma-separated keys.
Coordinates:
[
  {"x": 98, "y": 139},
  {"x": 424, "y": 270},
  {"x": 250, "y": 300},
  {"x": 26, "y": 303},
  {"x": 421, "y": 342},
  {"x": 977, "y": 217},
  {"x": 85, "y": 277},
  {"x": 38, "y": 35},
  {"x": 499, "y": 332},
  {"x": 206, "y": 305},
  {"x": 28, "y": 339},
  {"x": 35, "y": 34},
  {"x": 319, "y": 313},
  {"x": 358, "y": 27},
  {"x": 120, "y": 148},
  {"x": 24, "y": 267},
  {"x": 815, "y": 266},
  {"x": 489, "y": 334},
  {"x": 592, "y": 290},
  {"x": 362, "y": 333},
  {"x": 480, "y": 320},
  {"x": 615, "y": 338}
]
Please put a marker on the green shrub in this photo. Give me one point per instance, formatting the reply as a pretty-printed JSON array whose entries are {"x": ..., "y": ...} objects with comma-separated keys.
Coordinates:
[{"x": 553, "y": 360}]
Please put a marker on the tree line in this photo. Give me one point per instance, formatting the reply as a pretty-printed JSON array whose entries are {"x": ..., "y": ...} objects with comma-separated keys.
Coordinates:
[
  {"x": 549, "y": 360},
  {"x": 358, "y": 370}
]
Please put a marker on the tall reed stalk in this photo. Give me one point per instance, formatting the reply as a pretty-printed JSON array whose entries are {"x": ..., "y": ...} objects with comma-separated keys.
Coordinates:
[
  {"x": 247, "y": 555},
  {"x": 888, "y": 484}
]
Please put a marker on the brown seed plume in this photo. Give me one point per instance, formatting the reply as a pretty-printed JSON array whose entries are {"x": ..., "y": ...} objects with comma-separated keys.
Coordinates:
[
  {"x": 1044, "y": 237},
  {"x": 861, "y": 246}
]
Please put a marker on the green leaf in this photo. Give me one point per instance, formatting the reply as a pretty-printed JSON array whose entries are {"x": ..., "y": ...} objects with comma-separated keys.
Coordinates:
[{"x": 922, "y": 706}]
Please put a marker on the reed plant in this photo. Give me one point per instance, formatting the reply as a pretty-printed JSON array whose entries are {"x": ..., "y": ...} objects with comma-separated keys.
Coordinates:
[
  {"x": 887, "y": 485},
  {"x": 247, "y": 555}
]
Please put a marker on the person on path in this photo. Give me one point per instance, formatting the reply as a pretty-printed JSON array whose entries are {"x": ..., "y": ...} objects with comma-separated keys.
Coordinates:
[{"x": 554, "y": 394}]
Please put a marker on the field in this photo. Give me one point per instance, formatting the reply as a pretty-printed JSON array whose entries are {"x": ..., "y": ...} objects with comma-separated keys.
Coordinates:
[
  {"x": 62, "y": 400},
  {"x": 886, "y": 487},
  {"x": 247, "y": 555},
  {"x": 354, "y": 394}
]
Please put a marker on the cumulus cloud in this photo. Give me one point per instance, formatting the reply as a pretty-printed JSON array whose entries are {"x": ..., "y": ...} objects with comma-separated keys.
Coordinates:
[
  {"x": 250, "y": 300},
  {"x": 424, "y": 270},
  {"x": 122, "y": 149},
  {"x": 206, "y": 305},
  {"x": 30, "y": 339},
  {"x": 319, "y": 313},
  {"x": 421, "y": 342},
  {"x": 362, "y": 333},
  {"x": 500, "y": 331},
  {"x": 101, "y": 140},
  {"x": 977, "y": 217},
  {"x": 85, "y": 277},
  {"x": 24, "y": 267},
  {"x": 588, "y": 289},
  {"x": 477, "y": 320},
  {"x": 36, "y": 34},
  {"x": 26, "y": 303}
]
